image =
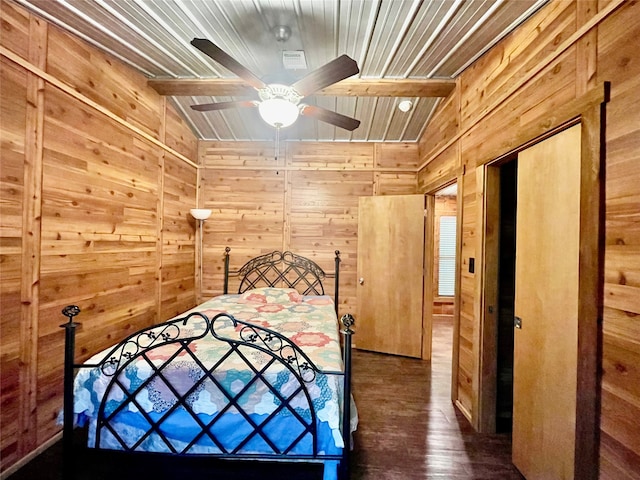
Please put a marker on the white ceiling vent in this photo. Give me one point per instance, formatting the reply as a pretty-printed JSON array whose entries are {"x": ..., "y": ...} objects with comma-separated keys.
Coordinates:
[{"x": 294, "y": 60}]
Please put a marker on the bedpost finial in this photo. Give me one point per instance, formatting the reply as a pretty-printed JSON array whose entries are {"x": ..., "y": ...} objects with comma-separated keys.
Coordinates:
[
  {"x": 71, "y": 311},
  {"x": 348, "y": 320},
  {"x": 227, "y": 250}
]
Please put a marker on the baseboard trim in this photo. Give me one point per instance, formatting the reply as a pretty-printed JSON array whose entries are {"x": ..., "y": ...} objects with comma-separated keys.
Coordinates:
[{"x": 30, "y": 456}]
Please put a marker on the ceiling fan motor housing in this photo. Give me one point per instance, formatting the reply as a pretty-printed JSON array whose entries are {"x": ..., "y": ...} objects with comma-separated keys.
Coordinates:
[{"x": 276, "y": 90}]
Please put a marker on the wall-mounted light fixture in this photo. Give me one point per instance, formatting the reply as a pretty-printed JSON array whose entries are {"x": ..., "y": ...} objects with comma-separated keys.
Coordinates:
[{"x": 200, "y": 214}]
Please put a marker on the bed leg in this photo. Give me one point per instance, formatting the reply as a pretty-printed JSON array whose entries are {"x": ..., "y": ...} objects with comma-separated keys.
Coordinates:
[
  {"x": 226, "y": 270},
  {"x": 69, "y": 358},
  {"x": 336, "y": 292},
  {"x": 345, "y": 468}
]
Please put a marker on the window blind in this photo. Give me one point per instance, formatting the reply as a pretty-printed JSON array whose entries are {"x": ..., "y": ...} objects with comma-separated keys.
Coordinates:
[{"x": 447, "y": 256}]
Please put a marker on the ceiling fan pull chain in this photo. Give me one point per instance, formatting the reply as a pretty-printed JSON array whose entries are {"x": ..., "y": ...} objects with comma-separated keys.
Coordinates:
[{"x": 277, "y": 149}]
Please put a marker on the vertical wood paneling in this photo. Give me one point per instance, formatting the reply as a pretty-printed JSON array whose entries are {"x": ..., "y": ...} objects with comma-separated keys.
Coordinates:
[
  {"x": 307, "y": 205},
  {"x": 105, "y": 81},
  {"x": 439, "y": 171},
  {"x": 80, "y": 194},
  {"x": 468, "y": 322},
  {"x": 12, "y": 144},
  {"x": 31, "y": 238},
  {"x": 393, "y": 156},
  {"x": 178, "y": 136},
  {"x": 248, "y": 216},
  {"x": 499, "y": 71},
  {"x": 15, "y": 29},
  {"x": 605, "y": 53},
  {"x": 446, "y": 121},
  {"x": 333, "y": 156},
  {"x": 396, "y": 156},
  {"x": 100, "y": 193},
  {"x": 618, "y": 61},
  {"x": 178, "y": 238},
  {"x": 324, "y": 218}
]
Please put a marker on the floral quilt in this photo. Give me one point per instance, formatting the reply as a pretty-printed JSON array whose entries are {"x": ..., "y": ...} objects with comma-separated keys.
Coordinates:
[{"x": 309, "y": 322}]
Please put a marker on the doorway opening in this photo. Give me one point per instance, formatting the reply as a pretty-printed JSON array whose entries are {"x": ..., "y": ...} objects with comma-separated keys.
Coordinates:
[
  {"x": 444, "y": 261},
  {"x": 508, "y": 184},
  {"x": 499, "y": 272}
]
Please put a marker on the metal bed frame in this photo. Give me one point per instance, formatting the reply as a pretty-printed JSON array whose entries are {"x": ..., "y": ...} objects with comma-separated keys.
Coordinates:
[
  {"x": 283, "y": 268},
  {"x": 273, "y": 269}
]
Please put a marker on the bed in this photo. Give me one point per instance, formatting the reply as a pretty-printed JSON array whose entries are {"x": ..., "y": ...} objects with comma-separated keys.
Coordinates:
[{"x": 258, "y": 375}]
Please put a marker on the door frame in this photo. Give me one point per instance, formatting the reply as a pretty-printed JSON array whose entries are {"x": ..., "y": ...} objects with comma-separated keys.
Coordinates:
[
  {"x": 588, "y": 111},
  {"x": 429, "y": 253},
  {"x": 427, "y": 275}
]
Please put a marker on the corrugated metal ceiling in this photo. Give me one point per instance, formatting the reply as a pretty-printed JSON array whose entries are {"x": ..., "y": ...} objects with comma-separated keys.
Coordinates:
[{"x": 389, "y": 39}]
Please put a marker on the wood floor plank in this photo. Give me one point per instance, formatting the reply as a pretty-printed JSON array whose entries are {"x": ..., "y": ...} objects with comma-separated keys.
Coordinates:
[{"x": 409, "y": 429}]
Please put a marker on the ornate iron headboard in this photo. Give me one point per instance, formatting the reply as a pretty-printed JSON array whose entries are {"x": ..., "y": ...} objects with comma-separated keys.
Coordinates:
[{"x": 282, "y": 269}]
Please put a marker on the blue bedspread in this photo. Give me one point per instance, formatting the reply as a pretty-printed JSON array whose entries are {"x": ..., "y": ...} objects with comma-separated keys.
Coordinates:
[{"x": 242, "y": 415}]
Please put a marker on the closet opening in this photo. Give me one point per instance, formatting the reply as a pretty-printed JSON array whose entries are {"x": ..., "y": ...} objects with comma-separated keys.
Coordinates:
[
  {"x": 508, "y": 173},
  {"x": 499, "y": 268}
]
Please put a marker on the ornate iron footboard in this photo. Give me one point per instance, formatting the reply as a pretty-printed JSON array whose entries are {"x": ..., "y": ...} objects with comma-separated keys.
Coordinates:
[
  {"x": 276, "y": 349},
  {"x": 273, "y": 348}
]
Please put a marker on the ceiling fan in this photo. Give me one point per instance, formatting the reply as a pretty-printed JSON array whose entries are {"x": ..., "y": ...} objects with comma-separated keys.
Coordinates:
[{"x": 279, "y": 105}]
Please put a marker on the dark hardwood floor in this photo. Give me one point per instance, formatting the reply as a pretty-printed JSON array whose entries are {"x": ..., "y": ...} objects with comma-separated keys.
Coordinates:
[{"x": 408, "y": 430}]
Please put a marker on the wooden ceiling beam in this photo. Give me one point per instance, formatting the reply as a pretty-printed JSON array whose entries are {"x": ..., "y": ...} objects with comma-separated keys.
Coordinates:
[
  {"x": 391, "y": 88},
  {"x": 232, "y": 87}
]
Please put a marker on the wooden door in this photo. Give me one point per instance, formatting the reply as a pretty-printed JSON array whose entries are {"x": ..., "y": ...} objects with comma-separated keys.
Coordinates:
[
  {"x": 547, "y": 302},
  {"x": 390, "y": 274}
]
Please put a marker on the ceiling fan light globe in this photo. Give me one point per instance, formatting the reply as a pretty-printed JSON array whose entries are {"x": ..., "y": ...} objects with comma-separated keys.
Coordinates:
[{"x": 278, "y": 112}]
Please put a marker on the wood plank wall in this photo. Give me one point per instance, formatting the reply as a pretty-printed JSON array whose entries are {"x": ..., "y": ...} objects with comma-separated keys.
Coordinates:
[
  {"x": 97, "y": 178},
  {"x": 510, "y": 85},
  {"x": 94, "y": 184},
  {"x": 307, "y": 202}
]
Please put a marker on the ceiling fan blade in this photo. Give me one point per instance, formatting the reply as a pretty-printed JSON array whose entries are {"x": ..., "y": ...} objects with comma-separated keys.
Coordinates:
[
  {"x": 331, "y": 117},
  {"x": 330, "y": 73},
  {"x": 209, "y": 48},
  {"x": 208, "y": 107}
]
